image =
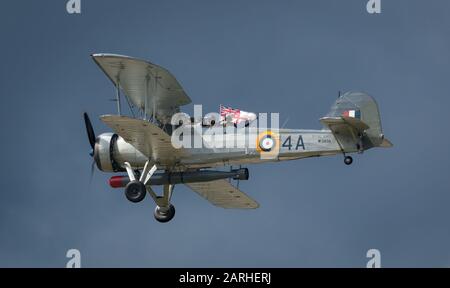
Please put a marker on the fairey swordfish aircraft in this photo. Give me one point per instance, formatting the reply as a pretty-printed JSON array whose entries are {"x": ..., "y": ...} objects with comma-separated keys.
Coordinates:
[{"x": 143, "y": 146}]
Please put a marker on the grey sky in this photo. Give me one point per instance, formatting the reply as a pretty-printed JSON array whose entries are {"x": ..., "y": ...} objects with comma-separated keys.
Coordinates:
[{"x": 289, "y": 57}]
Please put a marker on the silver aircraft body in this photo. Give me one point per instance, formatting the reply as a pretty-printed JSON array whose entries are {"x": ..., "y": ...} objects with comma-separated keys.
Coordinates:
[{"x": 144, "y": 146}]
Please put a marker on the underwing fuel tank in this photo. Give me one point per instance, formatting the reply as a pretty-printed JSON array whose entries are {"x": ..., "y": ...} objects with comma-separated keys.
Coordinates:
[{"x": 184, "y": 177}]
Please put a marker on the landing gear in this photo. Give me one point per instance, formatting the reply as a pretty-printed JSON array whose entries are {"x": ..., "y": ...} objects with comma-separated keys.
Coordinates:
[
  {"x": 164, "y": 211},
  {"x": 164, "y": 214},
  {"x": 135, "y": 191},
  {"x": 348, "y": 160}
]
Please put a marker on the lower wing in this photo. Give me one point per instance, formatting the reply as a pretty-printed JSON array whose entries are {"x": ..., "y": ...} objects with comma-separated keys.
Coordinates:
[{"x": 222, "y": 194}]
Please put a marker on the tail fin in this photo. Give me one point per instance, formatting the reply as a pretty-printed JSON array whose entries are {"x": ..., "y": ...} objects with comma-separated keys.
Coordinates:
[{"x": 364, "y": 107}]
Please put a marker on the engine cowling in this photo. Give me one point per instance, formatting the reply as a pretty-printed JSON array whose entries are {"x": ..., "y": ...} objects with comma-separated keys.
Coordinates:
[{"x": 111, "y": 151}]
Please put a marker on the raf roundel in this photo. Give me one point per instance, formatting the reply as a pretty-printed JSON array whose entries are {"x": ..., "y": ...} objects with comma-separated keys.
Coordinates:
[{"x": 267, "y": 143}]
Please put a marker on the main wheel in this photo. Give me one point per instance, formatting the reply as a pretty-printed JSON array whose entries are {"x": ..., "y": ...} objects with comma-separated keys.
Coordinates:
[
  {"x": 135, "y": 191},
  {"x": 164, "y": 215},
  {"x": 348, "y": 160}
]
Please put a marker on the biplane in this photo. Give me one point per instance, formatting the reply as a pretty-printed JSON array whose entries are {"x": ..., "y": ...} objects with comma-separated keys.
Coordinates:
[{"x": 140, "y": 147}]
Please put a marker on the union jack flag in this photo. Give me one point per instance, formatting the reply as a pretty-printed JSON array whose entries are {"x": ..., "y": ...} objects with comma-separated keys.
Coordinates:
[{"x": 225, "y": 111}]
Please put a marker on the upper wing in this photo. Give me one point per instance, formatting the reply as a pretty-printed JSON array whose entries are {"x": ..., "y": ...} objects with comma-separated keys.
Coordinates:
[
  {"x": 149, "y": 139},
  {"x": 148, "y": 86},
  {"x": 221, "y": 193}
]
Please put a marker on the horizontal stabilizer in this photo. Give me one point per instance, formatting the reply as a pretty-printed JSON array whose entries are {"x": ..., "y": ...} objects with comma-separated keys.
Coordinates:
[
  {"x": 355, "y": 123},
  {"x": 386, "y": 144},
  {"x": 347, "y": 131}
]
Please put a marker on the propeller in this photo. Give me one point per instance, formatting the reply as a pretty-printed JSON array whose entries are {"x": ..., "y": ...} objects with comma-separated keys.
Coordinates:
[
  {"x": 90, "y": 133},
  {"x": 91, "y": 176},
  {"x": 91, "y": 138}
]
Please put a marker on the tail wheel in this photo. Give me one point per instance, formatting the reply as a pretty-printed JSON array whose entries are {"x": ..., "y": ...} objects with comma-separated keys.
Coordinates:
[
  {"x": 164, "y": 214},
  {"x": 135, "y": 191},
  {"x": 348, "y": 160}
]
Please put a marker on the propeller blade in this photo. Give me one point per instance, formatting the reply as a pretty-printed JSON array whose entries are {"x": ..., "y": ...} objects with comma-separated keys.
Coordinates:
[
  {"x": 89, "y": 130},
  {"x": 92, "y": 173}
]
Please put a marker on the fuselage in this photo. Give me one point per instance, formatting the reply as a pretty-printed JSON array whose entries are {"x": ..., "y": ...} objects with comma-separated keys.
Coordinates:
[
  {"x": 238, "y": 148},
  {"x": 290, "y": 144}
]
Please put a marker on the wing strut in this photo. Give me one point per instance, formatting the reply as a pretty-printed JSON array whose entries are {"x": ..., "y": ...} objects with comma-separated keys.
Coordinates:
[
  {"x": 118, "y": 97},
  {"x": 154, "y": 98},
  {"x": 147, "y": 79}
]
